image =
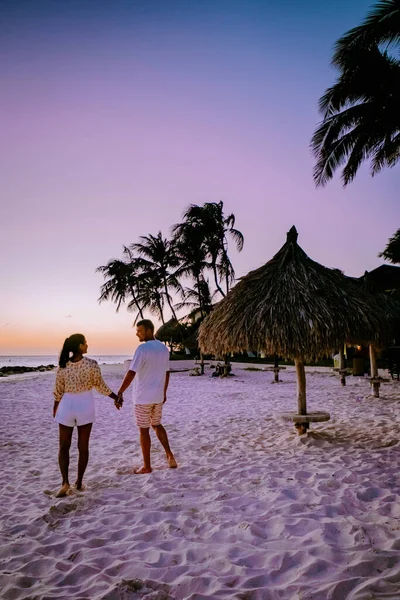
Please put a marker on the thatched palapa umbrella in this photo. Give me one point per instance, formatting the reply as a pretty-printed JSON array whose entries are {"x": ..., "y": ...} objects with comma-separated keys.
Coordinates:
[
  {"x": 296, "y": 308},
  {"x": 170, "y": 332}
]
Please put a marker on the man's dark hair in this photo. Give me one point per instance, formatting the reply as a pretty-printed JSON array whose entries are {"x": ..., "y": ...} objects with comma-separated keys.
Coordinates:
[{"x": 146, "y": 323}]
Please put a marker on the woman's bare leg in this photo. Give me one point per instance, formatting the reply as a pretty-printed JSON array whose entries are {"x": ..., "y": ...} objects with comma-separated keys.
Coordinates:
[
  {"x": 63, "y": 457},
  {"x": 83, "y": 447}
]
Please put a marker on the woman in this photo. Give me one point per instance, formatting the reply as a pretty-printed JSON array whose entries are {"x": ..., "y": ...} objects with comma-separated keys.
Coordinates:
[{"x": 74, "y": 404}]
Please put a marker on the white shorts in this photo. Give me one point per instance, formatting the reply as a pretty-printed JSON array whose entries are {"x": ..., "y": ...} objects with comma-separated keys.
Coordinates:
[{"x": 76, "y": 409}]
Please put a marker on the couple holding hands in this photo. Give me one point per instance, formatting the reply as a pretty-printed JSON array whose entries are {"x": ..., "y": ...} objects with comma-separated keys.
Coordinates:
[{"x": 74, "y": 402}]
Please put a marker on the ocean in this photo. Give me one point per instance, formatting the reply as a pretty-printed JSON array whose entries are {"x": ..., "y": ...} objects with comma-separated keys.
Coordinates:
[{"x": 37, "y": 361}]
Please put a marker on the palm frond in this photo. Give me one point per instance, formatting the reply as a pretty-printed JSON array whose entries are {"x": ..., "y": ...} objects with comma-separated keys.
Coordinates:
[{"x": 381, "y": 25}]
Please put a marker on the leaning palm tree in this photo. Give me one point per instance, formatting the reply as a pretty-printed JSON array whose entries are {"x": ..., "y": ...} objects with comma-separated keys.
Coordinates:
[
  {"x": 296, "y": 308},
  {"x": 122, "y": 284},
  {"x": 209, "y": 224},
  {"x": 360, "y": 112},
  {"x": 381, "y": 26},
  {"x": 361, "y": 120}
]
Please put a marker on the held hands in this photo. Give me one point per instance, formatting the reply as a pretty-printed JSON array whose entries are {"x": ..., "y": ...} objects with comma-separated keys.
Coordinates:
[{"x": 119, "y": 401}]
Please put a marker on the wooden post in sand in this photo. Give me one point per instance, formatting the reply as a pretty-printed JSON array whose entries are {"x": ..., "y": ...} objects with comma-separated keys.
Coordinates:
[
  {"x": 374, "y": 371},
  {"x": 276, "y": 369},
  {"x": 342, "y": 367},
  {"x": 301, "y": 395}
]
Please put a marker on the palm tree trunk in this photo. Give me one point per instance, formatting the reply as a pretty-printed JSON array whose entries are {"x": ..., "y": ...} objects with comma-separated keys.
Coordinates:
[
  {"x": 172, "y": 308},
  {"x": 200, "y": 297},
  {"x": 160, "y": 312},
  {"x": 136, "y": 302},
  {"x": 214, "y": 268}
]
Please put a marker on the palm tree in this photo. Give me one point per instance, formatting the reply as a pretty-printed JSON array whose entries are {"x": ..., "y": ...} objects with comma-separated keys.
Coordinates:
[
  {"x": 199, "y": 299},
  {"x": 191, "y": 252},
  {"x": 122, "y": 282},
  {"x": 392, "y": 250},
  {"x": 151, "y": 294},
  {"x": 381, "y": 26},
  {"x": 209, "y": 224},
  {"x": 361, "y": 120},
  {"x": 156, "y": 257}
]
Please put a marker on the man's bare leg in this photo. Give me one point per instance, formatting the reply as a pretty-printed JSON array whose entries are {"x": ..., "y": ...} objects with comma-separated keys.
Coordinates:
[
  {"x": 65, "y": 434},
  {"x": 145, "y": 443},
  {"x": 83, "y": 447},
  {"x": 162, "y": 436}
]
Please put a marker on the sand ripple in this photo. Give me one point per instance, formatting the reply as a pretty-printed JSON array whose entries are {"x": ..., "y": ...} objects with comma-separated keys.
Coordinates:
[{"x": 253, "y": 511}]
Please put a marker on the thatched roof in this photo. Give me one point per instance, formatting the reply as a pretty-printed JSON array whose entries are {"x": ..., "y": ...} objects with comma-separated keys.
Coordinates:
[
  {"x": 385, "y": 277},
  {"x": 296, "y": 308},
  {"x": 192, "y": 342},
  {"x": 169, "y": 332}
]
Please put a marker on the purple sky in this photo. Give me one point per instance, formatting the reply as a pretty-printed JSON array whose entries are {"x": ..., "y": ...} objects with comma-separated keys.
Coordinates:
[{"x": 117, "y": 115}]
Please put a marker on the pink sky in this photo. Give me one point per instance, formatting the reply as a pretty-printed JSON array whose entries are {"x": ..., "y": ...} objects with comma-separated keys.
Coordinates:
[{"x": 115, "y": 120}]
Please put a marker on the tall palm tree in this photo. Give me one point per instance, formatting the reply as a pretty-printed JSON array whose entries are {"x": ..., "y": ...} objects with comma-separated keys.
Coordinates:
[
  {"x": 122, "y": 284},
  {"x": 157, "y": 259},
  {"x": 209, "y": 223},
  {"x": 361, "y": 120},
  {"x": 151, "y": 295},
  {"x": 191, "y": 252}
]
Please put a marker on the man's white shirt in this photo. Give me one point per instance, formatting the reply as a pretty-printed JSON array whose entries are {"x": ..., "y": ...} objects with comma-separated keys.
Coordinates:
[{"x": 150, "y": 363}]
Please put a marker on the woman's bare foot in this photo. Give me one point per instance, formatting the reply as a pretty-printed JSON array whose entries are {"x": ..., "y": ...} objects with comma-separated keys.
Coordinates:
[
  {"x": 142, "y": 471},
  {"x": 79, "y": 487},
  {"x": 64, "y": 491},
  {"x": 172, "y": 462}
]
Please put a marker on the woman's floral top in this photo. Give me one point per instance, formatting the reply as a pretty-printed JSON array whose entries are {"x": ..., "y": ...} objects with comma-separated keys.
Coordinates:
[{"x": 78, "y": 377}]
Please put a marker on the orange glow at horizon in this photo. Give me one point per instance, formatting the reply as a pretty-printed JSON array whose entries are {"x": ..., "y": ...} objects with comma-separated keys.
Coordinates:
[{"x": 18, "y": 341}]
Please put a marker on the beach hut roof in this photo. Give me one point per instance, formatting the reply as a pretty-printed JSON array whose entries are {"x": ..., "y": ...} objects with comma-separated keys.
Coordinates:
[
  {"x": 385, "y": 277},
  {"x": 192, "y": 342},
  {"x": 169, "y": 332},
  {"x": 296, "y": 308}
]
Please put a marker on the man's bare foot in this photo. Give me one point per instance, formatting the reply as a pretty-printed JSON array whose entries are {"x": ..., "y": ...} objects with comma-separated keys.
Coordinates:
[
  {"x": 172, "y": 462},
  {"x": 142, "y": 471},
  {"x": 65, "y": 491},
  {"x": 79, "y": 487}
]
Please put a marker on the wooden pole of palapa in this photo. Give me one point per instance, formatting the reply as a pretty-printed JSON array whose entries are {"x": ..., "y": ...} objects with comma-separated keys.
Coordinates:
[
  {"x": 374, "y": 370},
  {"x": 276, "y": 369},
  {"x": 301, "y": 395},
  {"x": 342, "y": 370}
]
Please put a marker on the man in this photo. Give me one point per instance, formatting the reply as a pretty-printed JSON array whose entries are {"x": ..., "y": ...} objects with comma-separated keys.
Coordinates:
[{"x": 149, "y": 370}]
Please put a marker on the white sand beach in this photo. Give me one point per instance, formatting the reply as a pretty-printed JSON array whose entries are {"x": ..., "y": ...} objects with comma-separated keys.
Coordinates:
[{"x": 253, "y": 512}]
